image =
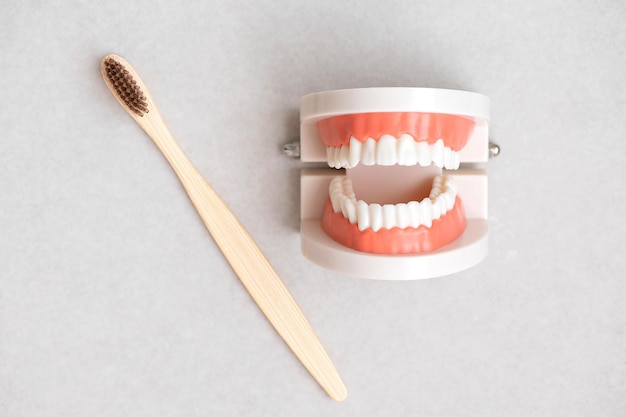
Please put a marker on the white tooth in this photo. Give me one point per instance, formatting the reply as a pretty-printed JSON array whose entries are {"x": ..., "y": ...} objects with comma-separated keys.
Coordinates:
[
  {"x": 386, "y": 151},
  {"x": 450, "y": 191},
  {"x": 449, "y": 198},
  {"x": 451, "y": 185},
  {"x": 415, "y": 215},
  {"x": 407, "y": 150},
  {"x": 355, "y": 152},
  {"x": 368, "y": 152},
  {"x": 436, "y": 207},
  {"x": 436, "y": 153},
  {"x": 347, "y": 191},
  {"x": 342, "y": 197},
  {"x": 437, "y": 186},
  {"x": 389, "y": 216},
  {"x": 447, "y": 158},
  {"x": 334, "y": 190},
  {"x": 426, "y": 212},
  {"x": 402, "y": 215},
  {"x": 362, "y": 215},
  {"x": 456, "y": 160},
  {"x": 330, "y": 157},
  {"x": 344, "y": 157},
  {"x": 452, "y": 196},
  {"x": 376, "y": 216},
  {"x": 337, "y": 158},
  {"x": 444, "y": 203},
  {"x": 344, "y": 206},
  {"x": 346, "y": 186},
  {"x": 423, "y": 153},
  {"x": 334, "y": 201},
  {"x": 351, "y": 210}
]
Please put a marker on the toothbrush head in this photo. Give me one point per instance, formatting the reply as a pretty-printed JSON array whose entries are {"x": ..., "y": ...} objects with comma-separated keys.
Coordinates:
[{"x": 125, "y": 86}]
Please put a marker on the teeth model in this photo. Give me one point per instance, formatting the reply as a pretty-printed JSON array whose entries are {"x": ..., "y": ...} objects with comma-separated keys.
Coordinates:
[
  {"x": 394, "y": 138},
  {"x": 402, "y": 215},
  {"x": 392, "y": 151}
]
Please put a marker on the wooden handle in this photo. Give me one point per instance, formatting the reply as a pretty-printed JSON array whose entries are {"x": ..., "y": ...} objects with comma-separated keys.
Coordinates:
[
  {"x": 255, "y": 272},
  {"x": 252, "y": 268}
]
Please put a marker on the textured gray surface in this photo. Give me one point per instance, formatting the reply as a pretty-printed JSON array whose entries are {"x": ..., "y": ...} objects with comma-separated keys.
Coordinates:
[{"x": 115, "y": 301}]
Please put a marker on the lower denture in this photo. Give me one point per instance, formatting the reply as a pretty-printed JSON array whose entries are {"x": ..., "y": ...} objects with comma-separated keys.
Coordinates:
[{"x": 397, "y": 240}]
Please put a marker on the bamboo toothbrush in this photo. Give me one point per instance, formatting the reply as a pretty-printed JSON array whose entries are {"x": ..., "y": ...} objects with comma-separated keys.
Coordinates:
[{"x": 253, "y": 269}]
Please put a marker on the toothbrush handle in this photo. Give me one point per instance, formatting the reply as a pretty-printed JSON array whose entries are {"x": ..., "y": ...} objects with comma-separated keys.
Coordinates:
[{"x": 252, "y": 268}]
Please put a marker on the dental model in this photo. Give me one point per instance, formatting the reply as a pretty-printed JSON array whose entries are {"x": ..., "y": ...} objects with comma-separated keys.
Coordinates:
[{"x": 402, "y": 209}]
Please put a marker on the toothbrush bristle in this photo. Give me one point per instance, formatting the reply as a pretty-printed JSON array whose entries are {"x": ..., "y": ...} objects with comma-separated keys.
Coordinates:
[{"x": 126, "y": 87}]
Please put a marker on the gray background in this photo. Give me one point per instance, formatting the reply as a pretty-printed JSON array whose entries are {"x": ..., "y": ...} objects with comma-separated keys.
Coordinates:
[{"x": 115, "y": 301}]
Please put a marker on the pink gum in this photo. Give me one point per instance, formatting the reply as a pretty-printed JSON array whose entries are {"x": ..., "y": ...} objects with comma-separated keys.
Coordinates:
[
  {"x": 454, "y": 130},
  {"x": 395, "y": 241}
]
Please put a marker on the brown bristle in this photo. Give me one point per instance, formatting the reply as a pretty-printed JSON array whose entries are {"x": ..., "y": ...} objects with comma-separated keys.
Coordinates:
[{"x": 126, "y": 87}]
